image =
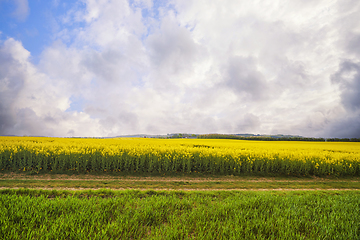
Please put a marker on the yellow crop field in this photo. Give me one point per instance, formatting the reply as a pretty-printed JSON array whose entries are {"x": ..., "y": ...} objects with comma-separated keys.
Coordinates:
[{"x": 215, "y": 156}]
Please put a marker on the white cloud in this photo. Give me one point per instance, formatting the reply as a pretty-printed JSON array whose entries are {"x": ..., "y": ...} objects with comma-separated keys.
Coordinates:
[
  {"x": 34, "y": 103},
  {"x": 198, "y": 66},
  {"x": 145, "y": 4},
  {"x": 21, "y": 10}
]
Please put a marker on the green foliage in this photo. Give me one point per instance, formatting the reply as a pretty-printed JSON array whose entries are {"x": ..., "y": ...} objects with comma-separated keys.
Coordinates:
[
  {"x": 275, "y": 138},
  {"x": 104, "y": 214}
]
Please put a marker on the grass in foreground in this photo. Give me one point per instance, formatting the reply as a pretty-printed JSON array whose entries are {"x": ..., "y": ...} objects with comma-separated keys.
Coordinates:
[{"x": 105, "y": 214}]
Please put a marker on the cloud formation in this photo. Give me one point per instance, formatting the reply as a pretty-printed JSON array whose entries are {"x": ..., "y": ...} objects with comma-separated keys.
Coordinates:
[
  {"x": 198, "y": 67},
  {"x": 21, "y": 9}
]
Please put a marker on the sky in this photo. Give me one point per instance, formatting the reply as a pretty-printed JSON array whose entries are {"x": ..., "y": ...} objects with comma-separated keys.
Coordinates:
[{"x": 102, "y": 68}]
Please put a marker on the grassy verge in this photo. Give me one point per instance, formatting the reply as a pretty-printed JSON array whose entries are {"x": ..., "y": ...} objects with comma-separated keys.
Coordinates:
[
  {"x": 106, "y": 214},
  {"x": 188, "y": 182}
]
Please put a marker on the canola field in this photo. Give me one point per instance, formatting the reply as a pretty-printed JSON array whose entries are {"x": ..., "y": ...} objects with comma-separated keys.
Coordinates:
[{"x": 164, "y": 156}]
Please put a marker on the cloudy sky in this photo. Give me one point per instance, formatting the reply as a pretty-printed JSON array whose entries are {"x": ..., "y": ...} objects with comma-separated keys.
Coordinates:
[{"x": 115, "y": 67}]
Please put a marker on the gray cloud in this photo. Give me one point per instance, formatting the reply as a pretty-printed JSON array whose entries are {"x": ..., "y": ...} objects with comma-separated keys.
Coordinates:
[
  {"x": 6, "y": 121},
  {"x": 347, "y": 124},
  {"x": 352, "y": 43},
  {"x": 346, "y": 127},
  {"x": 107, "y": 65},
  {"x": 11, "y": 83},
  {"x": 172, "y": 53},
  {"x": 348, "y": 77},
  {"x": 292, "y": 74},
  {"x": 249, "y": 124},
  {"x": 28, "y": 123},
  {"x": 243, "y": 77},
  {"x": 125, "y": 123},
  {"x": 172, "y": 46}
]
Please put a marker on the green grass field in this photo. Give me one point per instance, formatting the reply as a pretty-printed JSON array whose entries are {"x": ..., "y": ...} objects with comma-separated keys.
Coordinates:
[{"x": 108, "y": 214}]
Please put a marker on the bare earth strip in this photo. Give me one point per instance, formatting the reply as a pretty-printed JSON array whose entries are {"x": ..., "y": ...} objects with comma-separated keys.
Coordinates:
[
  {"x": 178, "y": 183},
  {"x": 185, "y": 189},
  {"x": 90, "y": 177}
]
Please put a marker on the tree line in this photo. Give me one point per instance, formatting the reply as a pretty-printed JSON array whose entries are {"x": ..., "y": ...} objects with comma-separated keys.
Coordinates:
[{"x": 276, "y": 138}]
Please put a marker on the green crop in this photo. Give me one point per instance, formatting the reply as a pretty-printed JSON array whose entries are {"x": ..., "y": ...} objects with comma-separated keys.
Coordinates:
[{"x": 32, "y": 214}]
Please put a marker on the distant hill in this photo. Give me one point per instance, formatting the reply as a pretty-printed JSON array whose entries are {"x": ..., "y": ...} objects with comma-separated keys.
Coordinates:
[
  {"x": 278, "y": 137},
  {"x": 237, "y": 136}
]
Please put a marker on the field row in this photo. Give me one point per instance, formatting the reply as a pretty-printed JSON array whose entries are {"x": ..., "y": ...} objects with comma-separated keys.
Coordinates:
[
  {"x": 31, "y": 214},
  {"x": 227, "y": 157},
  {"x": 180, "y": 185}
]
